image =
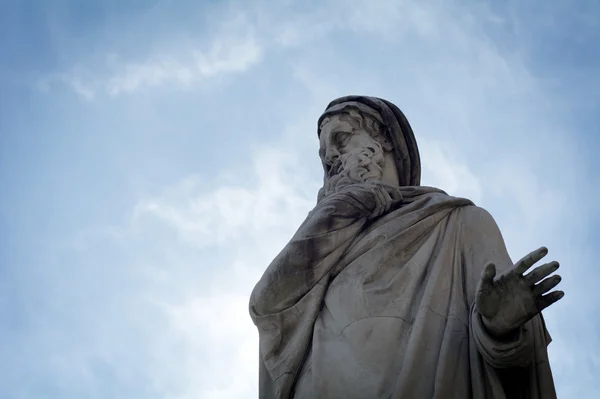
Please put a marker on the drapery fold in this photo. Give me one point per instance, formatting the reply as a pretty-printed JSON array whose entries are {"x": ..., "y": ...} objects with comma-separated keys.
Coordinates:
[{"x": 361, "y": 308}]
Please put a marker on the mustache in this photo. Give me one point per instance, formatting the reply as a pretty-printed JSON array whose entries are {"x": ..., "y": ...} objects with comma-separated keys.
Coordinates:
[
  {"x": 336, "y": 167},
  {"x": 370, "y": 156}
]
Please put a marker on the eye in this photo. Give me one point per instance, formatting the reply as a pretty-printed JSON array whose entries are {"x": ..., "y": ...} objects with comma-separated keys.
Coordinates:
[{"x": 342, "y": 138}]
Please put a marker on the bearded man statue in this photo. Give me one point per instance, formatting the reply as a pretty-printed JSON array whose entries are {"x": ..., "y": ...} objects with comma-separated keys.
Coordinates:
[{"x": 394, "y": 290}]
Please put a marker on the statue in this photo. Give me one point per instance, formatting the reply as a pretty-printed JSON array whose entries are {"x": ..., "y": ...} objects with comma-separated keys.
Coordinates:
[{"x": 394, "y": 290}]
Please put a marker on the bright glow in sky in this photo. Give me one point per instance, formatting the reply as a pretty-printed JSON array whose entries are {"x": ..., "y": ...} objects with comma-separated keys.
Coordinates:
[{"x": 156, "y": 155}]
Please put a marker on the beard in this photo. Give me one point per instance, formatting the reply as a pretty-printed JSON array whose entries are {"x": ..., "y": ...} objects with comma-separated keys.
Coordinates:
[{"x": 361, "y": 165}]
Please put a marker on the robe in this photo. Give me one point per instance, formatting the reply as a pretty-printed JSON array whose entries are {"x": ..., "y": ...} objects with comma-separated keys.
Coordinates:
[{"x": 362, "y": 307}]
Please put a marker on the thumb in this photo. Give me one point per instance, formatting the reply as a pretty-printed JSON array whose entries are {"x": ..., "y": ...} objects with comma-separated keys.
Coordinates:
[
  {"x": 487, "y": 277},
  {"x": 485, "y": 302}
]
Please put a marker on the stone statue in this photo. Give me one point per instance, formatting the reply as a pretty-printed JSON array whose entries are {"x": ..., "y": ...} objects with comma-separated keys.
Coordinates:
[{"x": 394, "y": 290}]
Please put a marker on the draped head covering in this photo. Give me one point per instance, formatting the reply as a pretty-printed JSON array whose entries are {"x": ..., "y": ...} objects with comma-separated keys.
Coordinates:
[{"x": 395, "y": 127}]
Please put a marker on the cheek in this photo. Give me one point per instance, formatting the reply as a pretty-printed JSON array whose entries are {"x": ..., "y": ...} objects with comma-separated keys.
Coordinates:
[{"x": 359, "y": 142}]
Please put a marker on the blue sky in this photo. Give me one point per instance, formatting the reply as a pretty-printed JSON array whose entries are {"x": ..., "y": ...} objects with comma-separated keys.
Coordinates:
[{"x": 156, "y": 155}]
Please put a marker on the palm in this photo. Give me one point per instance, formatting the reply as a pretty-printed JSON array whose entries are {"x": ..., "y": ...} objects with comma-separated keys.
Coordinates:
[{"x": 511, "y": 299}]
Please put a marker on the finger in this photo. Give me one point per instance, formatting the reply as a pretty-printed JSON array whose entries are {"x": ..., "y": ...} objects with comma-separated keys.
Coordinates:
[
  {"x": 530, "y": 259},
  {"x": 392, "y": 192},
  {"x": 380, "y": 200},
  {"x": 487, "y": 277},
  {"x": 541, "y": 272},
  {"x": 395, "y": 194},
  {"x": 385, "y": 200},
  {"x": 547, "y": 300},
  {"x": 546, "y": 285}
]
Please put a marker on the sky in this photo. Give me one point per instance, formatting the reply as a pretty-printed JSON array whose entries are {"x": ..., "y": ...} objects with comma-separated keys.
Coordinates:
[{"x": 156, "y": 155}]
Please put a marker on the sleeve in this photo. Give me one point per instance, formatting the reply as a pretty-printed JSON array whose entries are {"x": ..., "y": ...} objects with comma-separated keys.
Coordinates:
[{"x": 520, "y": 364}]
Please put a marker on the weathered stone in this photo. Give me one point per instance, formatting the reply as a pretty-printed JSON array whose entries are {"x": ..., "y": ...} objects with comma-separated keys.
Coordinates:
[{"x": 389, "y": 289}]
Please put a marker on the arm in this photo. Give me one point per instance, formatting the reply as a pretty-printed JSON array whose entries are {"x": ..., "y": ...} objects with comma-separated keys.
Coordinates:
[
  {"x": 484, "y": 246},
  {"x": 316, "y": 247}
]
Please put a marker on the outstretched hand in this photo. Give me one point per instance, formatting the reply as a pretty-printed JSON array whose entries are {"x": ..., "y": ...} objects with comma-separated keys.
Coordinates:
[{"x": 510, "y": 300}]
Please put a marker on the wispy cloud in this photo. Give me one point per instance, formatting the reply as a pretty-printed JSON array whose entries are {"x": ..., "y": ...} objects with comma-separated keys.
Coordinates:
[{"x": 233, "y": 49}]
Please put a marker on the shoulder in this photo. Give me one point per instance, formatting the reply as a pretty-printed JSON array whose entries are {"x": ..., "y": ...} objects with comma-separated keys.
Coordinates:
[
  {"x": 478, "y": 223},
  {"x": 476, "y": 214}
]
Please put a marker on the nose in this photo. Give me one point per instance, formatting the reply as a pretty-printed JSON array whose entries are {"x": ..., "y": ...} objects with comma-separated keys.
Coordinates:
[{"x": 331, "y": 154}]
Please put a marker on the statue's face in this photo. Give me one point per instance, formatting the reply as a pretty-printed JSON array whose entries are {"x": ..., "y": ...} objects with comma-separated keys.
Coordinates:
[
  {"x": 344, "y": 147},
  {"x": 338, "y": 137}
]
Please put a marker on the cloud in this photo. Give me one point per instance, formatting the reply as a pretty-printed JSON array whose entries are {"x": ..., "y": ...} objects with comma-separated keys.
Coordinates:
[
  {"x": 225, "y": 56},
  {"x": 234, "y": 48},
  {"x": 444, "y": 170}
]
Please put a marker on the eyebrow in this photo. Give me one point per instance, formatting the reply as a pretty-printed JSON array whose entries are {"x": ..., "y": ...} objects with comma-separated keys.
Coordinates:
[{"x": 336, "y": 132}]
